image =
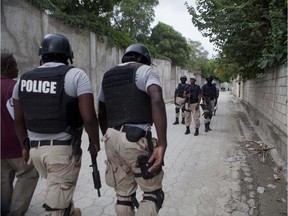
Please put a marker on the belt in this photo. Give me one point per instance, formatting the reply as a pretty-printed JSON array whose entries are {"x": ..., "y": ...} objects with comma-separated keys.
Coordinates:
[
  {"x": 39, "y": 143},
  {"x": 126, "y": 128}
]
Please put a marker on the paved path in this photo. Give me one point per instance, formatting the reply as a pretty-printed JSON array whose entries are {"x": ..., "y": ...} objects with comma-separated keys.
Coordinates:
[{"x": 202, "y": 174}]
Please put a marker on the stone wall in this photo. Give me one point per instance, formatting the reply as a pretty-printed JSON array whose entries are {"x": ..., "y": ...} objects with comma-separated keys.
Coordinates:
[{"x": 265, "y": 99}]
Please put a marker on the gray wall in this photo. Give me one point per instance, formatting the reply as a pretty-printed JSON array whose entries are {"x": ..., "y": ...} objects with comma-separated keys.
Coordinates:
[{"x": 265, "y": 99}]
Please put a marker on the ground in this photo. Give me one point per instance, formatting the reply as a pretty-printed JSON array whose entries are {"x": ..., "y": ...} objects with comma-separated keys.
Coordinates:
[{"x": 273, "y": 201}]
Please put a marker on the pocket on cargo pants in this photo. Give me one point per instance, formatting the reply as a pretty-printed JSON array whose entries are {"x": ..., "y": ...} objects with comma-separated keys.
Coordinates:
[{"x": 114, "y": 174}]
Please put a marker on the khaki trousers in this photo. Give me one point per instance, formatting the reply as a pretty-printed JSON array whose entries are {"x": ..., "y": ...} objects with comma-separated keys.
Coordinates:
[
  {"x": 16, "y": 201},
  {"x": 61, "y": 169},
  {"x": 121, "y": 167},
  {"x": 179, "y": 104},
  {"x": 195, "y": 113}
]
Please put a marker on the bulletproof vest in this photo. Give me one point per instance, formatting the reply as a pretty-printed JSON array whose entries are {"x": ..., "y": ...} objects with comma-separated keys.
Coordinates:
[
  {"x": 125, "y": 103},
  {"x": 209, "y": 91},
  {"x": 180, "y": 90},
  {"x": 194, "y": 93},
  {"x": 47, "y": 108}
]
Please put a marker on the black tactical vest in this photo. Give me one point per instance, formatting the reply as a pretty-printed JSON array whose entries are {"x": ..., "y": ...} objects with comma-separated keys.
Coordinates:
[
  {"x": 46, "y": 106},
  {"x": 209, "y": 91},
  {"x": 180, "y": 90},
  {"x": 125, "y": 103}
]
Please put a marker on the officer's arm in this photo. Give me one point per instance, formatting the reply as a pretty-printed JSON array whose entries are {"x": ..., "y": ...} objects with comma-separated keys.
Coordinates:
[
  {"x": 102, "y": 116},
  {"x": 175, "y": 94},
  {"x": 160, "y": 122},
  {"x": 88, "y": 114},
  {"x": 19, "y": 121},
  {"x": 20, "y": 128}
]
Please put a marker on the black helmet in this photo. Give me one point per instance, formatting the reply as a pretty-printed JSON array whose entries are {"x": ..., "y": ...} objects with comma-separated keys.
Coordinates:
[
  {"x": 210, "y": 77},
  {"x": 56, "y": 43},
  {"x": 140, "y": 49},
  {"x": 183, "y": 78}
]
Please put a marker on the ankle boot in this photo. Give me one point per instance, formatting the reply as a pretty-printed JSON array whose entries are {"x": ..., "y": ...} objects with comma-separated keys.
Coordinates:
[
  {"x": 187, "y": 130},
  {"x": 206, "y": 127},
  {"x": 196, "y": 132},
  {"x": 209, "y": 126},
  {"x": 176, "y": 122},
  {"x": 183, "y": 121}
]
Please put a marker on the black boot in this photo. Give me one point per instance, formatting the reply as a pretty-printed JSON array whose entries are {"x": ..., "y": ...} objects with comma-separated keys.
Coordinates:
[
  {"x": 209, "y": 126},
  {"x": 196, "y": 132},
  {"x": 183, "y": 121},
  {"x": 187, "y": 130},
  {"x": 206, "y": 127},
  {"x": 176, "y": 122}
]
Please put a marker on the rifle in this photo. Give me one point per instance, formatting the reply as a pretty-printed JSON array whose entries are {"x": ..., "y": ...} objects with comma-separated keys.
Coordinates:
[{"x": 95, "y": 173}]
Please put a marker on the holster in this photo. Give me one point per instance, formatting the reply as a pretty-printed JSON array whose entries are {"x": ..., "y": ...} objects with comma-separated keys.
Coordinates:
[
  {"x": 142, "y": 160},
  {"x": 142, "y": 163},
  {"x": 133, "y": 134}
]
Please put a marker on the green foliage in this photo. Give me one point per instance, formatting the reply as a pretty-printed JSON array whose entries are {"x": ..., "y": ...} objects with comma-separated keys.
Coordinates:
[
  {"x": 197, "y": 56},
  {"x": 86, "y": 14},
  {"x": 134, "y": 17},
  {"x": 170, "y": 43},
  {"x": 250, "y": 34}
]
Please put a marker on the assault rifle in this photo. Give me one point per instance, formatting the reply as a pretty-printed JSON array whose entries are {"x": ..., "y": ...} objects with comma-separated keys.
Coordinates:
[{"x": 95, "y": 173}]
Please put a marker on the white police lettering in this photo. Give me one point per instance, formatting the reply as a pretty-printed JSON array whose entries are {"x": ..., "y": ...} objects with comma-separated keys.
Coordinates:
[{"x": 38, "y": 86}]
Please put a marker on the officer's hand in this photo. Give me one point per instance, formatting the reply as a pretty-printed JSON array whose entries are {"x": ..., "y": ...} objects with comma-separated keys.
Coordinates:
[
  {"x": 94, "y": 149},
  {"x": 25, "y": 155},
  {"x": 157, "y": 157}
]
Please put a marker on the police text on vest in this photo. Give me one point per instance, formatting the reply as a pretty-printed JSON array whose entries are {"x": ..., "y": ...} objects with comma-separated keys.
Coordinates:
[{"x": 38, "y": 86}]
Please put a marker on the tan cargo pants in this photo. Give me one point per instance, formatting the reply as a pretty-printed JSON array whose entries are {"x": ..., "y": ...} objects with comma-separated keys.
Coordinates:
[
  {"x": 195, "y": 113},
  {"x": 180, "y": 103},
  {"x": 121, "y": 167},
  {"x": 61, "y": 169}
]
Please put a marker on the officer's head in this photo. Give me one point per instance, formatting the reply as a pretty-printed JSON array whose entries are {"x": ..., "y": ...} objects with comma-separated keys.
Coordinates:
[
  {"x": 137, "y": 52},
  {"x": 183, "y": 79},
  {"x": 56, "y": 48},
  {"x": 209, "y": 79},
  {"x": 192, "y": 79}
]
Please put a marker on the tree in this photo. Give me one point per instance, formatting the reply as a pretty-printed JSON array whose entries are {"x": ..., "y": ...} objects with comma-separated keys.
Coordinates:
[
  {"x": 250, "y": 34},
  {"x": 134, "y": 17},
  {"x": 170, "y": 44},
  {"x": 198, "y": 56}
]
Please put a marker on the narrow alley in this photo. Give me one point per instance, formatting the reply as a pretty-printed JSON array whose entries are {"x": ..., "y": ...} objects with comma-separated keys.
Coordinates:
[{"x": 213, "y": 174}]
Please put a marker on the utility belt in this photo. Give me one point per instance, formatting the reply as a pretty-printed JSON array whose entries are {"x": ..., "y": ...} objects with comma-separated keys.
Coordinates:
[
  {"x": 34, "y": 144},
  {"x": 193, "y": 101},
  {"x": 133, "y": 134}
]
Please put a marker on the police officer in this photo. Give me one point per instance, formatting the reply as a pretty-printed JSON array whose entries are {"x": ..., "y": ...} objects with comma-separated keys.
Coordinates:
[
  {"x": 179, "y": 99},
  {"x": 208, "y": 97},
  {"x": 193, "y": 99},
  {"x": 130, "y": 101},
  {"x": 53, "y": 102}
]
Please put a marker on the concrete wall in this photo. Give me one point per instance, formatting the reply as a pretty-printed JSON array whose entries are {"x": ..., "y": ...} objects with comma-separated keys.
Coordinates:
[
  {"x": 24, "y": 26},
  {"x": 266, "y": 100}
]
